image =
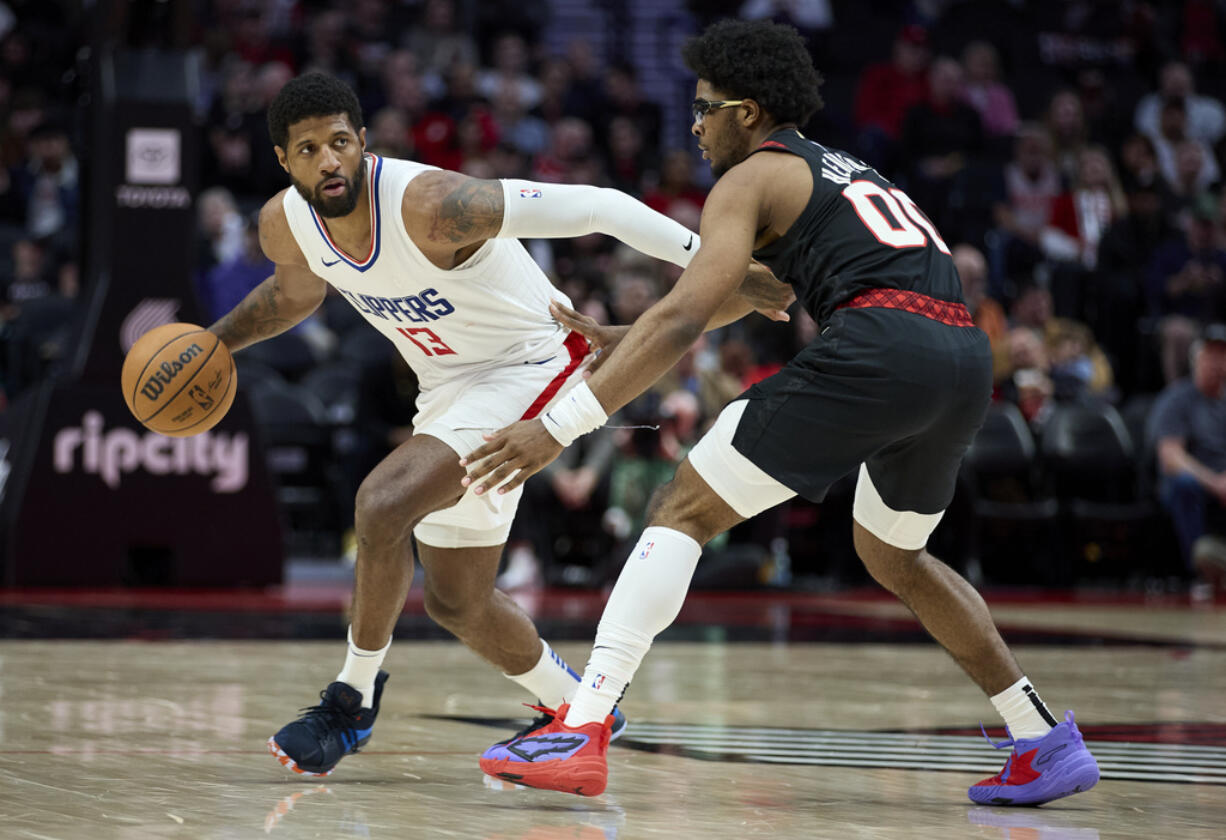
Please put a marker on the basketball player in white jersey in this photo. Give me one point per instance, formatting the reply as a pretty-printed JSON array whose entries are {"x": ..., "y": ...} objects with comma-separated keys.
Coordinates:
[{"x": 431, "y": 259}]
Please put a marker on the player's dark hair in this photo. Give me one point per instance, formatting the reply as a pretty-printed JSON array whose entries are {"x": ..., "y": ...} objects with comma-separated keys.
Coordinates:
[
  {"x": 311, "y": 95},
  {"x": 759, "y": 60}
]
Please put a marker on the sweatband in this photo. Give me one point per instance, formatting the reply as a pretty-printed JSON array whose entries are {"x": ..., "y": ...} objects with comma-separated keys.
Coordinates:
[{"x": 577, "y": 413}]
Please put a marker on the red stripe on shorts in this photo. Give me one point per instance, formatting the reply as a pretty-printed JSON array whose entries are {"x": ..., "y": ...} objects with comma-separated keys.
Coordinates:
[
  {"x": 578, "y": 347},
  {"x": 947, "y": 312}
]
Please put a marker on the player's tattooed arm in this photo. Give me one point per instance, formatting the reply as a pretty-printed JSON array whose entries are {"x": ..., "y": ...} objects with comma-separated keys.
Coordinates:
[
  {"x": 287, "y": 297},
  {"x": 460, "y": 210}
]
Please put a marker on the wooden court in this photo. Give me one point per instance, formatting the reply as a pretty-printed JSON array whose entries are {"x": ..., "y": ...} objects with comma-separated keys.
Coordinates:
[{"x": 120, "y": 740}]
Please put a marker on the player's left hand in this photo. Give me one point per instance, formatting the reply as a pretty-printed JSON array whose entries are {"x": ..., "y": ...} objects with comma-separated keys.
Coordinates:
[
  {"x": 519, "y": 451},
  {"x": 765, "y": 292}
]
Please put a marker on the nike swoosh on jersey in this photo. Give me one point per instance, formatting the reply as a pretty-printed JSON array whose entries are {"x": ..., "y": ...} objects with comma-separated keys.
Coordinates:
[{"x": 328, "y": 264}]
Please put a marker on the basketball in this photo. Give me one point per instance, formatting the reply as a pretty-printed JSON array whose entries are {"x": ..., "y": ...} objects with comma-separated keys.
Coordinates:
[{"x": 179, "y": 380}]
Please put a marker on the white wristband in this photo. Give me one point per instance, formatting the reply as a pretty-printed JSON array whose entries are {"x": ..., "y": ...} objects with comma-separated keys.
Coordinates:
[{"x": 577, "y": 413}]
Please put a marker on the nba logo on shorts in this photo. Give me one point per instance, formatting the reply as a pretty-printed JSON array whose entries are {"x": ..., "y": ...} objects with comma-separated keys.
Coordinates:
[
  {"x": 646, "y": 550},
  {"x": 529, "y": 193}
]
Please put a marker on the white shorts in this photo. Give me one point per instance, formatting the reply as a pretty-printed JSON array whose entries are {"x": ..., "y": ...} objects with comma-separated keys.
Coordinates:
[
  {"x": 459, "y": 412},
  {"x": 749, "y": 491}
]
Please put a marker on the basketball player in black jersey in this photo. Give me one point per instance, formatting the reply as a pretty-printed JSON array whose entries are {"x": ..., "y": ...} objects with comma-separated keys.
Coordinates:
[{"x": 894, "y": 386}]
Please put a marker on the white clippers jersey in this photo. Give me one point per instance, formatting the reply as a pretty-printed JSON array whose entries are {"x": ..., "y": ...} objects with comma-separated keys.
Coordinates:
[{"x": 491, "y": 310}]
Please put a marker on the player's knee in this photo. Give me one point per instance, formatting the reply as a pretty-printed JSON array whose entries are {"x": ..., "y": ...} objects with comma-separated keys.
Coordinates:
[
  {"x": 383, "y": 512},
  {"x": 449, "y": 610},
  {"x": 890, "y": 566}
]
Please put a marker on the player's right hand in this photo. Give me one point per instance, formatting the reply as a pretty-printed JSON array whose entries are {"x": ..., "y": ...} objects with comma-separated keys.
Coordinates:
[{"x": 601, "y": 336}]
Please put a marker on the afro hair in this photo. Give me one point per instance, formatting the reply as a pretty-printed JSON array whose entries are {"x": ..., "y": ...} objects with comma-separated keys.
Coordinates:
[
  {"x": 759, "y": 60},
  {"x": 311, "y": 95}
]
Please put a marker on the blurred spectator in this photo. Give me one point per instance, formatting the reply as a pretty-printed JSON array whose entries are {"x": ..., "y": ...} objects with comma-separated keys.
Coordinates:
[
  {"x": 1187, "y": 273},
  {"x": 324, "y": 48},
  {"x": 388, "y": 134},
  {"x": 570, "y": 141},
  {"x": 1066, "y": 125},
  {"x": 251, "y": 37},
  {"x": 526, "y": 132},
  {"x": 1081, "y": 216},
  {"x": 624, "y": 98},
  {"x": 564, "y": 512},
  {"x": 1187, "y": 165},
  {"x": 886, "y": 91},
  {"x": 1029, "y": 385},
  {"x": 460, "y": 92},
  {"x": 1029, "y": 185},
  {"x": 509, "y": 76},
  {"x": 649, "y": 458},
  {"x": 47, "y": 184},
  {"x": 676, "y": 186},
  {"x": 439, "y": 42},
  {"x": 986, "y": 93},
  {"x": 1124, "y": 255},
  {"x": 1139, "y": 162},
  {"x": 219, "y": 229},
  {"x": 1206, "y": 118},
  {"x": 225, "y": 284},
  {"x": 434, "y": 132},
  {"x": 1188, "y": 426},
  {"x": 628, "y": 161},
  {"x": 370, "y": 34},
  {"x": 30, "y": 279},
  {"x": 1077, "y": 367},
  {"x": 986, "y": 312},
  {"x": 939, "y": 136}
]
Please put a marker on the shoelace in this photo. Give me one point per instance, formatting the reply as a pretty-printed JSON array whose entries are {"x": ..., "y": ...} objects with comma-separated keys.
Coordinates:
[
  {"x": 545, "y": 717},
  {"x": 327, "y": 715},
  {"x": 1008, "y": 742}
]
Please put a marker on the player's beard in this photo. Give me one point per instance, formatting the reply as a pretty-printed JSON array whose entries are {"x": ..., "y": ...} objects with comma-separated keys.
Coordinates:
[{"x": 331, "y": 207}]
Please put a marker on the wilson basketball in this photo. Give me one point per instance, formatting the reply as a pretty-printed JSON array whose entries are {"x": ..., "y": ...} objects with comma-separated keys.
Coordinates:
[{"x": 179, "y": 379}]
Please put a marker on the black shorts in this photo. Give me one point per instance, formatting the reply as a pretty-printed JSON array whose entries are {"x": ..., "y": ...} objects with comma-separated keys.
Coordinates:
[{"x": 896, "y": 391}]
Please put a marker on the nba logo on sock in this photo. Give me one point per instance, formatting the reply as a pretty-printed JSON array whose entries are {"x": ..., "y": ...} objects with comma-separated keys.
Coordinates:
[
  {"x": 646, "y": 550},
  {"x": 598, "y": 682}
]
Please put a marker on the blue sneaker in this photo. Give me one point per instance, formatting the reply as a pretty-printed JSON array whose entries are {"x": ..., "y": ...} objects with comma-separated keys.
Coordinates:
[
  {"x": 1040, "y": 769},
  {"x": 338, "y": 726}
]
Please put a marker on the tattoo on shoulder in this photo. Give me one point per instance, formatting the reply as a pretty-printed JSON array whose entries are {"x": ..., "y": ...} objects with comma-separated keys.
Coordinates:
[{"x": 469, "y": 212}]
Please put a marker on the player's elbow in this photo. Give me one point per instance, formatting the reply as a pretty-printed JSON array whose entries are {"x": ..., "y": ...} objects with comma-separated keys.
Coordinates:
[{"x": 681, "y": 327}]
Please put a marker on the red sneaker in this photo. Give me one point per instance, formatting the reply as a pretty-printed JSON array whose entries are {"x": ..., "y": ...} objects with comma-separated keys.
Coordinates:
[{"x": 555, "y": 756}]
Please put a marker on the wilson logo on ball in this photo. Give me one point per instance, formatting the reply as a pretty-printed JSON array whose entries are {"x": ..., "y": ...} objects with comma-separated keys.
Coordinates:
[{"x": 156, "y": 384}]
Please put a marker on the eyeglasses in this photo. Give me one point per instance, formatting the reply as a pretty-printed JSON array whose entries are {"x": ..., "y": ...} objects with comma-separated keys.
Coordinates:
[{"x": 701, "y": 107}]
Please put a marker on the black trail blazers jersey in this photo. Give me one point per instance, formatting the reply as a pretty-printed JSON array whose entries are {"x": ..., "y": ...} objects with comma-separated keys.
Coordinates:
[{"x": 857, "y": 232}]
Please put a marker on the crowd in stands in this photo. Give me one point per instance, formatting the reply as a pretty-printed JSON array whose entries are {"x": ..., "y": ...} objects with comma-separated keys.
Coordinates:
[{"x": 1069, "y": 151}]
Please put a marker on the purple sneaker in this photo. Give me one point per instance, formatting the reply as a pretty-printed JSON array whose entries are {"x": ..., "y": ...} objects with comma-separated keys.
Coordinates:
[{"x": 1040, "y": 769}]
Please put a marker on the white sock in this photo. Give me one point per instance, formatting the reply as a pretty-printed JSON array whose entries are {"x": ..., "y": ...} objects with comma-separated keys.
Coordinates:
[
  {"x": 551, "y": 680},
  {"x": 647, "y": 597},
  {"x": 361, "y": 668},
  {"x": 1023, "y": 711}
]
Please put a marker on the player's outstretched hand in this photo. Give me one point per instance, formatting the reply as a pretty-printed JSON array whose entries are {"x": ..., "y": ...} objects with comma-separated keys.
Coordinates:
[
  {"x": 519, "y": 450},
  {"x": 602, "y": 337},
  {"x": 769, "y": 295}
]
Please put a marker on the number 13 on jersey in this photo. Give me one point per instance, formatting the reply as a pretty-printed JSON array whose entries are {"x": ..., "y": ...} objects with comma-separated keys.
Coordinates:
[
  {"x": 892, "y": 217},
  {"x": 430, "y": 343}
]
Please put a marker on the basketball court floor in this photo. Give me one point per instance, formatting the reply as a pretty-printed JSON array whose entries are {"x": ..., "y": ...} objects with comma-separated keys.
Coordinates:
[{"x": 131, "y": 715}]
